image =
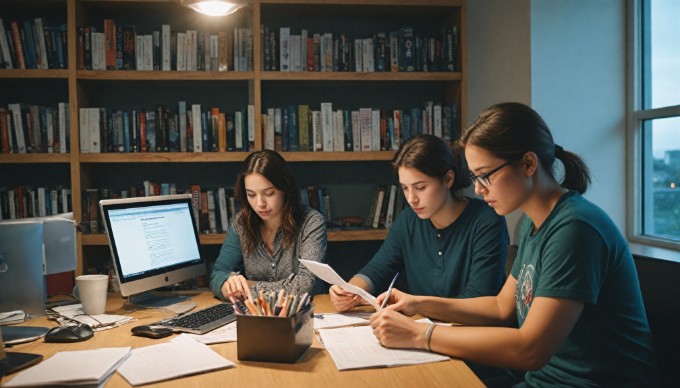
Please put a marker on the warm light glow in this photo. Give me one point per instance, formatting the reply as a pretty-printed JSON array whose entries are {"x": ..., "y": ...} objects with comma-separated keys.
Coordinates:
[
  {"x": 214, "y": 7},
  {"x": 672, "y": 185}
]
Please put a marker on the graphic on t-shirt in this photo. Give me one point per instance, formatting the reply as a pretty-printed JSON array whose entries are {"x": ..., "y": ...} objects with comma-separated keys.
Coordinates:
[{"x": 524, "y": 294}]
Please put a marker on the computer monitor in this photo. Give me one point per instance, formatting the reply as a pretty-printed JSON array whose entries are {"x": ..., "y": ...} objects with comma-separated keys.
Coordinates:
[{"x": 154, "y": 243}]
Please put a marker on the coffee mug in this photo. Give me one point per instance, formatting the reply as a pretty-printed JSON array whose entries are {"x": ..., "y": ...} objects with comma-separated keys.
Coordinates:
[{"x": 91, "y": 290}]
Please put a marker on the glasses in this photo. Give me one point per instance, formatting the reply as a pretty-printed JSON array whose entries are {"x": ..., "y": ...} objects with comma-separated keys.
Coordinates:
[{"x": 483, "y": 179}]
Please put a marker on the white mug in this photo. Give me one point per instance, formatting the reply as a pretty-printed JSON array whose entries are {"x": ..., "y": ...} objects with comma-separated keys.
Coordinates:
[{"x": 91, "y": 290}]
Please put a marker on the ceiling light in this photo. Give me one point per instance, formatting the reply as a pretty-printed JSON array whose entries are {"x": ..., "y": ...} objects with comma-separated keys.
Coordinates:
[{"x": 214, "y": 7}]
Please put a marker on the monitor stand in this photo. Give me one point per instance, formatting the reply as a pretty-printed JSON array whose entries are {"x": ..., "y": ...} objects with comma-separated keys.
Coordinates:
[{"x": 157, "y": 299}]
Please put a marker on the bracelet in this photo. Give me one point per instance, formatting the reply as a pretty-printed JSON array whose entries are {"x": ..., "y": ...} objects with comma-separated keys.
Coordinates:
[{"x": 428, "y": 336}]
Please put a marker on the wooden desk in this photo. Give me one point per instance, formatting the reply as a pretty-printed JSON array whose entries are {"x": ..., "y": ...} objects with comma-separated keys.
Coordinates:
[{"x": 314, "y": 369}]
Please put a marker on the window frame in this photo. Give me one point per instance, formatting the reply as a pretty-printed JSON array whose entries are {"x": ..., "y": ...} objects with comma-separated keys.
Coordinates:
[{"x": 639, "y": 142}]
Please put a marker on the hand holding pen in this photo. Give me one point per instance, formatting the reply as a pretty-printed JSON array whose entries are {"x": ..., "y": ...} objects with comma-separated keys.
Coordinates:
[{"x": 389, "y": 292}]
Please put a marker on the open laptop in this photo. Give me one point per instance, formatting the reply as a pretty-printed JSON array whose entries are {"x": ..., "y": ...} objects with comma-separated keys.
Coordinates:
[{"x": 22, "y": 280}]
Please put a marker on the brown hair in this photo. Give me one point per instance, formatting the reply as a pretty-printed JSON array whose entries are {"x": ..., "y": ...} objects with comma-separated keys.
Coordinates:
[
  {"x": 273, "y": 167},
  {"x": 433, "y": 157},
  {"x": 509, "y": 130}
]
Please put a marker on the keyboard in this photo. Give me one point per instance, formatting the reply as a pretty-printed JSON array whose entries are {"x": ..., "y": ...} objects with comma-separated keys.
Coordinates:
[{"x": 201, "y": 321}]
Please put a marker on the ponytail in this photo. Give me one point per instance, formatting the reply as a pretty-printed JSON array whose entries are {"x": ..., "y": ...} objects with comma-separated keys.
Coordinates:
[{"x": 576, "y": 172}]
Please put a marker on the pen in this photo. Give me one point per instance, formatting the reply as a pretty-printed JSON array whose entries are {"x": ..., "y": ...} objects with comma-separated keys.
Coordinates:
[{"x": 389, "y": 291}]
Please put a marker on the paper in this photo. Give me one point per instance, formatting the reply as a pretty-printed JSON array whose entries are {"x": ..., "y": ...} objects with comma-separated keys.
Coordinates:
[
  {"x": 12, "y": 317},
  {"x": 98, "y": 322},
  {"x": 226, "y": 333},
  {"x": 328, "y": 274},
  {"x": 356, "y": 347},
  {"x": 326, "y": 321},
  {"x": 169, "y": 360},
  {"x": 81, "y": 367}
]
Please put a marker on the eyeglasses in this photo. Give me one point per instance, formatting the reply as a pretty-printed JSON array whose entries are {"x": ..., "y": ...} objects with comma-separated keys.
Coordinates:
[{"x": 483, "y": 179}]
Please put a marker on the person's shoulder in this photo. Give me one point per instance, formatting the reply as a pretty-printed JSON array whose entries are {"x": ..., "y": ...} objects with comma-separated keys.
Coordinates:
[{"x": 312, "y": 216}]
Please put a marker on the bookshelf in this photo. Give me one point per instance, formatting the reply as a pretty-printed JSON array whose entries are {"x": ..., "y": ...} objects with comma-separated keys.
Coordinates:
[{"x": 351, "y": 176}]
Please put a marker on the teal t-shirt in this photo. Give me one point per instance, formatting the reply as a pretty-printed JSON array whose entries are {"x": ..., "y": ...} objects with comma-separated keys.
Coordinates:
[
  {"x": 465, "y": 259},
  {"x": 578, "y": 253}
]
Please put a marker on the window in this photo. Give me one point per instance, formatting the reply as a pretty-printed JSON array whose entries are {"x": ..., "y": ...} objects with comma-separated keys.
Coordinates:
[{"x": 655, "y": 122}]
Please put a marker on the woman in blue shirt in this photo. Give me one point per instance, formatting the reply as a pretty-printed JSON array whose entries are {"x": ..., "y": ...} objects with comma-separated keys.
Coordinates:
[
  {"x": 444, "y": 243},
  {"x": 573, "y": 288}
]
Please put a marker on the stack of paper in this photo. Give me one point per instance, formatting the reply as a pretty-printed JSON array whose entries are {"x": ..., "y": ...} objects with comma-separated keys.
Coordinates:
[
  {"x": 84, "y": 368},
  {"x": 181, "y": 357},
  {"x": 357, "y": 347}
]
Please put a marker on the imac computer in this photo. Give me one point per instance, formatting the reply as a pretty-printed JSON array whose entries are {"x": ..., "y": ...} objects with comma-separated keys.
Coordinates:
[{"x": 154, "y": 243}]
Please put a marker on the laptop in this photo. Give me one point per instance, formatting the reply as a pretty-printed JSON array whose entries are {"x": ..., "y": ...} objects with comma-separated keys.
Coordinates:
[{"x": 22, "y": 280}]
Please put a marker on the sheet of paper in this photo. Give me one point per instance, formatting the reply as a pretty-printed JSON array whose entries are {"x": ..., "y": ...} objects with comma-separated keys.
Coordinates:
[
  {"x": 80, "y": 367},
  {"x": 327, "y": 321},
  {"x": 169, "y": 360},
  {"x": 328, "y": 274},
  {"x": 98, "y": 322},
  {"x": 356, "y": 347},
  {"x": 226, "y": 333}
]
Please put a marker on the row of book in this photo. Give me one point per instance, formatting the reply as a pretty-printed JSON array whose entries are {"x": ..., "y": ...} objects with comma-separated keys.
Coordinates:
[
  {"x": 29, "y": 201},
  {"x": 387, "y": 202},
  {"x": 33, "y": 44},
  {"x": 214, "y": 208},
  {"x": 34, "y": 129},
  {"x": 402, "y": 50},
  {"x": 301, "y": 128},
  {"x": 122, "y": 47},
  {"x": 188, "y": 128}
]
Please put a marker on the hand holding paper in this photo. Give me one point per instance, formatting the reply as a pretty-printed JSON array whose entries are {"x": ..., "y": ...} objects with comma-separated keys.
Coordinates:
[{"x": 328, "y": 274}]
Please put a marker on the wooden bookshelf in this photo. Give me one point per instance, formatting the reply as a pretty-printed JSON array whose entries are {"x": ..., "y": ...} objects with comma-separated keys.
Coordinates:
[{"x": 229, "y": 89}]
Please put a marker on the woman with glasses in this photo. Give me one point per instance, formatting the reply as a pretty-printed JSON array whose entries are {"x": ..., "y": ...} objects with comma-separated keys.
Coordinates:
[
  {"x": 444, "y": 243},
  {"x": 573, "y": 288}
]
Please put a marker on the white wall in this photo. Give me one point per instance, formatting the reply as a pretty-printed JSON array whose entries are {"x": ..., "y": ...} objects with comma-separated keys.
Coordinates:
[
  {"x": 578, "y": 85},
  {"x": 565, "y": 58}
]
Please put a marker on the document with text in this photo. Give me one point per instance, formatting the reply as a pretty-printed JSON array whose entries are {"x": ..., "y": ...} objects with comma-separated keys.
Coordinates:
[
  {"x": 181, "y": 357},
  {"x": 328, "y": 274},
  {"x": 356, "y": 347}
]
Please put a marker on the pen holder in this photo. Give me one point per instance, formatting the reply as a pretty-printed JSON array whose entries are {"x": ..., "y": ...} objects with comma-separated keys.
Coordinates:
[{"x": 274, "y": 339}]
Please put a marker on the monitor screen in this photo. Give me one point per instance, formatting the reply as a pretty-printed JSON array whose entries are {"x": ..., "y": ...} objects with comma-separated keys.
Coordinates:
[{"x": 154, "y": 243}]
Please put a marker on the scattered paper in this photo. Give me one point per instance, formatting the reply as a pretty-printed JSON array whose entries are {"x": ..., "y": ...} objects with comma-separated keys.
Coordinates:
[
  {"x": 328, "y": 274},
  {"x": 98, "y": 322},
  {"x": 169, "y": 360},
  {"x": 226, "y": 333},
  {"x": 356, "y": 347},
  {"x": 81, "y": 367},
  {"x": 327, "y": 321}
]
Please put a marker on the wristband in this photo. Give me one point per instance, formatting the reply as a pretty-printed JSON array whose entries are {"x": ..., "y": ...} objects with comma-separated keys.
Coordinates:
[{"x": 428, "y": 336}]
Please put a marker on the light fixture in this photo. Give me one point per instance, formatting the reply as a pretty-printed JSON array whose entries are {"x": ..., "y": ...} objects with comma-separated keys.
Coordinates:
[{"x": 214, "y": 7}]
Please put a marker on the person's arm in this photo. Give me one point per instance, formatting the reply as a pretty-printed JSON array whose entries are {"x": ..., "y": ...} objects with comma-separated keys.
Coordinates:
[
  {"x": 490, "y": 241},
  {"x": 548, "y": 323},
  {"x": 229, "y": 261},
  {"x": 383, "y": 263}
]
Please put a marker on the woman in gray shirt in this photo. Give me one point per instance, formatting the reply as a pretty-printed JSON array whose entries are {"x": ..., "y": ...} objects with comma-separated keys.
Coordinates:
[{"x": 270, "y": 233}]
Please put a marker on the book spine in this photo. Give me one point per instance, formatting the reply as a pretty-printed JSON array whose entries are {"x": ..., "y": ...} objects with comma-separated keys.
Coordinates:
[{"x": 327, "y": 125}]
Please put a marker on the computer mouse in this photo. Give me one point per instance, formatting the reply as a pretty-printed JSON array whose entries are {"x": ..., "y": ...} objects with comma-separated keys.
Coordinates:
[
  {"x": 69, "y": 333},
  {"x": 151, "y": 331}
]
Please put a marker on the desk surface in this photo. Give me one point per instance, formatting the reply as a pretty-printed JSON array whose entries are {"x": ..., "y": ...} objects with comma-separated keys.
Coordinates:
[{"x": 315, "y": 368}]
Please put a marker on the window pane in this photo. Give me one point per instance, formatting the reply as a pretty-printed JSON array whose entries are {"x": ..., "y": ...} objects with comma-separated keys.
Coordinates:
[
  {"x": 662, "y": 178},
  {"x": 661, "y": 67}
]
